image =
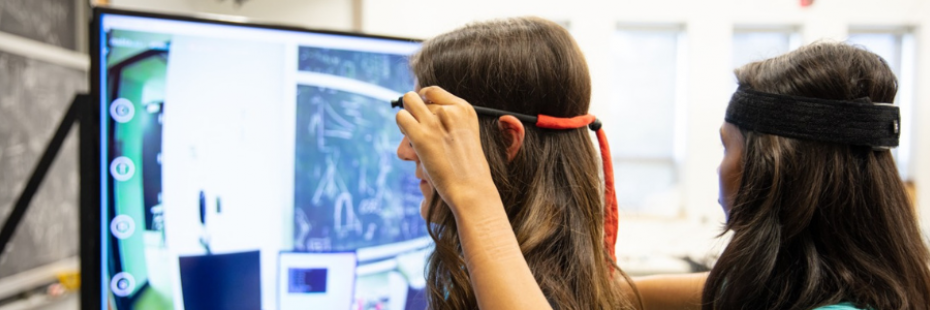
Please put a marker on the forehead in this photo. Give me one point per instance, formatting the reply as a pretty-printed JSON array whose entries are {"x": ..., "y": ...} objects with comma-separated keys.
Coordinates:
[{"x": 729, "y": 131}]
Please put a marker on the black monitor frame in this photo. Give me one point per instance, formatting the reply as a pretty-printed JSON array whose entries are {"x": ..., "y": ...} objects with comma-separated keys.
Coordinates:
[{"x": 90, "y": 177}]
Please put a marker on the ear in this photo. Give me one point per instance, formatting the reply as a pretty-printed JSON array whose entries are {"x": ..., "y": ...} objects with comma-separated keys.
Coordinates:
[{"x": 513, "y": 131}]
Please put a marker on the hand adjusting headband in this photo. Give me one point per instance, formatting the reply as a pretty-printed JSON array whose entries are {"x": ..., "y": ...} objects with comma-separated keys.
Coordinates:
[
  {"x": 854, "y": 122},
  {"x": 611, "y": 215}
]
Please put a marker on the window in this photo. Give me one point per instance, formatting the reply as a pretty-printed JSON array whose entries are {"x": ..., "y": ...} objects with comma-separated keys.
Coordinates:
[
  {"x": 896, "y": 46},
  {"x": 646, "y": 114}
]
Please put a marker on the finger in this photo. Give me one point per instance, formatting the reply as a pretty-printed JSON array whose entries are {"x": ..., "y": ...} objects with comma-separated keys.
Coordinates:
[
  {"x": 437, "y": 95},
  {"x": 433, "y": 108},
  {"x": 408, "y": 125},
  {"x": 416, "y": 107},
  {"x": 445, "y": 118}
]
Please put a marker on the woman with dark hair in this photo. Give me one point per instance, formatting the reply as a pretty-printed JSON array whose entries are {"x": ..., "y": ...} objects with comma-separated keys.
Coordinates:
[
  {"x": 819, "y": 214},
  {"x": 540, "y": 183},
  {"x": 820, "y": 217}
]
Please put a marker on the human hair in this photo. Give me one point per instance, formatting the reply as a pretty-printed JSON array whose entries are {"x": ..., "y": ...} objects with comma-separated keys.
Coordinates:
[
  {"x": 817, "y": 223},
  {"x": 551, "y": 189}
]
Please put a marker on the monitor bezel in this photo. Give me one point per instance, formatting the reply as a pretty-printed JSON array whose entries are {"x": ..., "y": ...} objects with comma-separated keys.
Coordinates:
[{"x": 93, "y": 295}]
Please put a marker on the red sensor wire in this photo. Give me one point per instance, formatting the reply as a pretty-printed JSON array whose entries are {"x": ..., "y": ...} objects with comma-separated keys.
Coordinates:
[{"x": 611, "y": 214}]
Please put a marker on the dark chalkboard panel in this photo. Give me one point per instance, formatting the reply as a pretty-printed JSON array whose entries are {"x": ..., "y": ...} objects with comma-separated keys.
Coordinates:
[
  {"x": 49, "y": 21},
  {"x": 33, "y": 98},
  {"x": 353, "y": 190}
]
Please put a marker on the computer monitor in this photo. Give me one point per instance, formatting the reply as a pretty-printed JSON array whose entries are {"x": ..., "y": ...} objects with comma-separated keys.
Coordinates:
[{"x": 234, "y": 152}]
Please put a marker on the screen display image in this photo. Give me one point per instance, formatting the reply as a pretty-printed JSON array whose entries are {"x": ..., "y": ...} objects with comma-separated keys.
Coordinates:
[{"x": 247, "y": 167}]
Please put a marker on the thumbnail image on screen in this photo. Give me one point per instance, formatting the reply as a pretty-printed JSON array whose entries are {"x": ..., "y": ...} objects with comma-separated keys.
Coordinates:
[{"x": 255, "y": 168}]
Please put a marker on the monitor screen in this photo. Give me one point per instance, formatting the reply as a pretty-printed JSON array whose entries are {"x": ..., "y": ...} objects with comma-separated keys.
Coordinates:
[{"x": 253, "y": 167}]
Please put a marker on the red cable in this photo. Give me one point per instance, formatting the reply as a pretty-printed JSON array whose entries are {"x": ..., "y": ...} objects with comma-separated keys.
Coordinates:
[
  {"x": 611, "y": 215},
  {"x": 545, "y": 121}
]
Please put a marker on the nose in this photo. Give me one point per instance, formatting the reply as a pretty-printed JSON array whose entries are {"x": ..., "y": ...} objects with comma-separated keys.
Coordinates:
[{"x": 405, "y": 151}]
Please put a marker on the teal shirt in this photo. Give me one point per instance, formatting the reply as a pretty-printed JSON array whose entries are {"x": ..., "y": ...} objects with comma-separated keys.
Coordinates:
[{"x": 839, "y": 306}]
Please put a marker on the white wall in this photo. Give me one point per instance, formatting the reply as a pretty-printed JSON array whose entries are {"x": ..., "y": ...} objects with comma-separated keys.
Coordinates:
[
  {"x": 170, "y": 6},
  {"x": 323, "y": 14},
  {"x": 709, "y": 27}
]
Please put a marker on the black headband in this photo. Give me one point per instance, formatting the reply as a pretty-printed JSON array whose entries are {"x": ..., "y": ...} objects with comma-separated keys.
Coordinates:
[{"x": 856, "y": 122}]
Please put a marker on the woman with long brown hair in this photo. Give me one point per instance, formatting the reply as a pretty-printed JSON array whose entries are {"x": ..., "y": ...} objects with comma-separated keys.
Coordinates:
[
  {"x": 818, "y": 211},
  {"x": 542, "y": 182},
  {"x": 820, "y": 217}
]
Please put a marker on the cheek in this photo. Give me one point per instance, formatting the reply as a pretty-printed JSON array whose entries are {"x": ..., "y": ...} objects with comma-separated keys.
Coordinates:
[
  {"x": 427, "y": 196},
  {"x": 722, "y": 188},
  {"x": 424, "y": 208},
  {"x": 729, "y": 180}
]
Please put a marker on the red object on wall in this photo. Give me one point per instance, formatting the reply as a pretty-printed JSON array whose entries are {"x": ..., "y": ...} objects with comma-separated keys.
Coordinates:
[{"x": 806, "y": 3}]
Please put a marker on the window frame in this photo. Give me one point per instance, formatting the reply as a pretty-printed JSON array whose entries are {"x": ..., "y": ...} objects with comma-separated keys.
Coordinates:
[{"x": 679, "y": 120}]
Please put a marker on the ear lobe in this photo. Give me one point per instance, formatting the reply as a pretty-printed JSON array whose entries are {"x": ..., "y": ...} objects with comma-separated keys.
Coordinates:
[{"x": 514, "y": 132}]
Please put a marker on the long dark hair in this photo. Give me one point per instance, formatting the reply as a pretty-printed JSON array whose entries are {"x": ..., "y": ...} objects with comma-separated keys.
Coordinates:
[
  {"x": 551, "y": 189},
  {"x": 818, "y": 223}
]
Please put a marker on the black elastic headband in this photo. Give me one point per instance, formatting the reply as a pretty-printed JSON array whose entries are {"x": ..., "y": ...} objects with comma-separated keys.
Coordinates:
[{"x": 857, "y": 122}]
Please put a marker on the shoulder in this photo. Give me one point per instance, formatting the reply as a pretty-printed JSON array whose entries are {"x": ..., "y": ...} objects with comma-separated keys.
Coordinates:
[{"x": 839, "y": 306}]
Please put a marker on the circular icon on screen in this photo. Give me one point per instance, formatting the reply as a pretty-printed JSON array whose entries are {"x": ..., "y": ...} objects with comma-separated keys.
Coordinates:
[
  {"x": 122, "y": 284},
  {"x": 122, "y": 168},
  {"x": 122, "y": 226},
  {"x": 121, "y": 110}
]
